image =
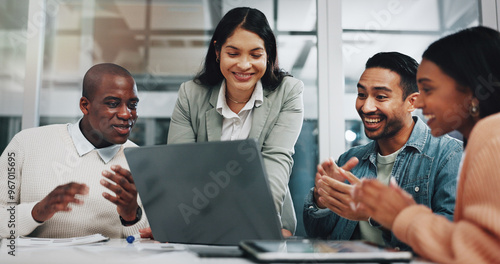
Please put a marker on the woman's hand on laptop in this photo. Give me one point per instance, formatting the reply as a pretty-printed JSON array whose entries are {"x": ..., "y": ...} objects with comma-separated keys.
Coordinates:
[
  {"x": 125, "y": 192},
  {"x": 286, "y": 233}
]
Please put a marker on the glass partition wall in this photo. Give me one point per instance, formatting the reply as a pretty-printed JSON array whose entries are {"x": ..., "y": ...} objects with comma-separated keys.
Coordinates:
[
  {"x": 13, "y": 25},
  {"x": 406, "y": 26}
]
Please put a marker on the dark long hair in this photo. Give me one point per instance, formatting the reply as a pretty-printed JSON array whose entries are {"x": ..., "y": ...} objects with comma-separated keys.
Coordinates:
[
  {"x": 252, "y": 20},
  {"x": 472, "y": 58}
]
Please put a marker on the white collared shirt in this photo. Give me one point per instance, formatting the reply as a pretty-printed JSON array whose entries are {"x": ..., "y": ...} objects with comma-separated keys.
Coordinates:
[
  {"x": 237, "y": 126},
  {"x": 83, "y": 146}
]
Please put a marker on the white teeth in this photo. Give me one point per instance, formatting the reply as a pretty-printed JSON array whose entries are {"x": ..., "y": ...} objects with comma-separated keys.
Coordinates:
[
  {"x": 428, "y": 117},
  {"x": 243, "y": 75},
  {"x": 372, "y": 120}
]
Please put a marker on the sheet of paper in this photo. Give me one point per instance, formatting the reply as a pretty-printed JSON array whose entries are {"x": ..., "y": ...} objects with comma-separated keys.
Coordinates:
[
  {"x": 36, "y": 241},
  {"x": 159, "y": 246}
]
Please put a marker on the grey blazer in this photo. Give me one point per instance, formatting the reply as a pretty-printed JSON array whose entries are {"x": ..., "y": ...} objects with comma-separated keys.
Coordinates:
[{"x": 276, "y": 125}]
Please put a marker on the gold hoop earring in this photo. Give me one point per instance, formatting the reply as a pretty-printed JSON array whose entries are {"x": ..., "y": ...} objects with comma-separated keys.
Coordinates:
[{"x": 473, "y": 109}]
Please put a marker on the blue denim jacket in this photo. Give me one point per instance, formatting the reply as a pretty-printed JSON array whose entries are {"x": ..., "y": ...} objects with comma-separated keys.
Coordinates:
[{"x": 427, "y": 168}]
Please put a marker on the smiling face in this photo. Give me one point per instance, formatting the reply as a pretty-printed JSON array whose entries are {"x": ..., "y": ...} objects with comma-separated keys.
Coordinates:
[
  {"x": 243, "y": 61},
  {"x": 444, "y": 106},
  {"x": 380, "y": 105},
  {"x": 111, "y": 112}
]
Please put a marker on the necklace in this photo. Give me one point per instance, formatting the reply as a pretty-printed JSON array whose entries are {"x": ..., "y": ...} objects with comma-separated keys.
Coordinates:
[{"x": 236, "y": 102}]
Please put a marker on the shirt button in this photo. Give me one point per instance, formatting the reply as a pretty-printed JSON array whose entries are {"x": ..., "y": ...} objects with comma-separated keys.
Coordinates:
[{"x": 417, "y": 189}]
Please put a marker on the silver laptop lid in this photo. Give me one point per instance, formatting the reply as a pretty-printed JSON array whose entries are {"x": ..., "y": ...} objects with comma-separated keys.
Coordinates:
[{"x": 205, "y": 193}]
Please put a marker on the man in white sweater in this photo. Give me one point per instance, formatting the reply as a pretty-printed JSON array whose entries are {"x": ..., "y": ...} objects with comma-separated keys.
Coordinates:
[{"x": 70, "y": 180}]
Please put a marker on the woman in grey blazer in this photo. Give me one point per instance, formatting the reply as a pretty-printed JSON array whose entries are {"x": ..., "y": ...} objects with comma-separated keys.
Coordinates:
[{"x": 242, "y": 93}]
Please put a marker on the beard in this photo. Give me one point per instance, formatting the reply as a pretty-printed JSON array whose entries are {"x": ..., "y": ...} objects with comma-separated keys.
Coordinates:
[{"x": 391, "y": 128}]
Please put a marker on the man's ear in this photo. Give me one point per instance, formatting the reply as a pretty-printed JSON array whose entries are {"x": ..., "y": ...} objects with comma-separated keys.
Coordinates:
[
  {"x": 84, "y": 105},
  {"x": 410, "y": 101}
]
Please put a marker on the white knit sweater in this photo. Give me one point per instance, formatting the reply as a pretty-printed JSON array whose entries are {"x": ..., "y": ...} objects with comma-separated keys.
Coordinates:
[{"x": 43, "y": 158}]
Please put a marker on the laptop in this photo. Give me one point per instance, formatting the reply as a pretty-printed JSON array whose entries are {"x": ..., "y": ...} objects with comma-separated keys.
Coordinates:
[
  {"x": 212, "y": 193},
  {"x": 332, "y": 251}
]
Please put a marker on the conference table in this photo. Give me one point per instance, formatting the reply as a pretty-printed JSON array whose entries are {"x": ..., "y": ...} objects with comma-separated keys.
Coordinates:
[{"x": 120, "y": 251}]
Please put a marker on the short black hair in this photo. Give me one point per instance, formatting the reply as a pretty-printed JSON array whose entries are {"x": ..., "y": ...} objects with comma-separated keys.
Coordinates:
[
  {"x": 404, "y": 65},
  {"x": 250, "y": 19},
  {"x": 93, "y": 77},
  {"x": 472, "y": 58}
]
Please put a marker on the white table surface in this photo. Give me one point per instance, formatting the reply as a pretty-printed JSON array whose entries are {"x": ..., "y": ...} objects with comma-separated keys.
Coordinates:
[
  {"x": 119, "y": 251},
  {"x": 113, "y": 251}
]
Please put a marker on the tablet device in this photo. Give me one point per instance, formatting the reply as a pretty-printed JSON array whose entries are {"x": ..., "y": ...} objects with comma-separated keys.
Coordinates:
[
  {"x": 213, "y": 193},
  {"x": 321, "y": 251}
]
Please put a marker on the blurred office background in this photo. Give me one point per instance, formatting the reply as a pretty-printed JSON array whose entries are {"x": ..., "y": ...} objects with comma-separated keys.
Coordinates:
[{"x": 47, "y": 45}]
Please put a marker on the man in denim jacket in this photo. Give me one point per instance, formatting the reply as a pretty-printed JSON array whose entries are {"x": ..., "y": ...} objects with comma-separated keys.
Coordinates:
[{"x": 402, "y": 149}]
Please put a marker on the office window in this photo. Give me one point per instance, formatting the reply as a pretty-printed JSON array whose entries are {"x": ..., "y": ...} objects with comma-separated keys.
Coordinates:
[
  {"x": 371, "y": 26},
  {"x": 13, "y": 37}
]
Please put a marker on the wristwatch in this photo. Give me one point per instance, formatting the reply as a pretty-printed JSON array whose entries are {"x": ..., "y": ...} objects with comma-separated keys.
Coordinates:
[
  {"x": 373, "y": 223},
  {"x": 138, "y": 215}
]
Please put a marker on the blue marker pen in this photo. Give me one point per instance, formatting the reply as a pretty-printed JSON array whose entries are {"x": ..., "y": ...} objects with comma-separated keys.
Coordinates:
[{"x": 131, "y": 239}]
